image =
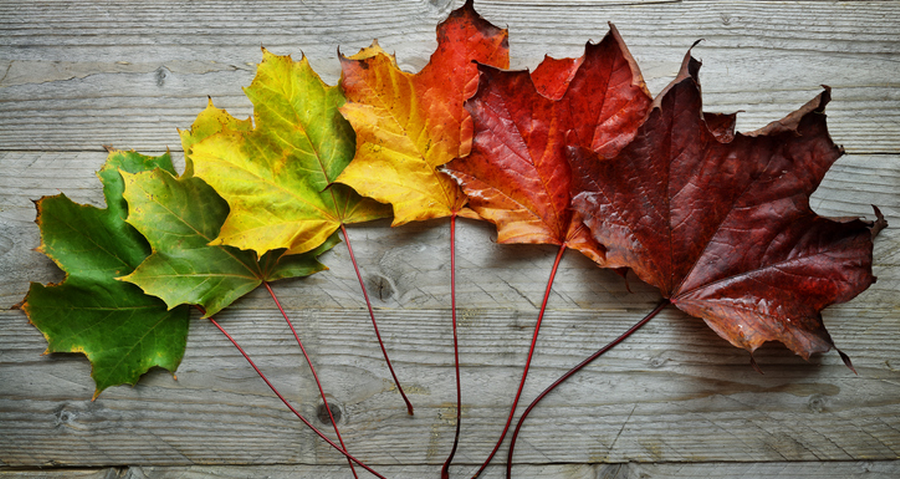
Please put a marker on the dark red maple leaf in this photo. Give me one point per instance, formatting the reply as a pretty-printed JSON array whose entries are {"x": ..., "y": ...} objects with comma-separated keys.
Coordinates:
[{"x": 720, "y": 222}]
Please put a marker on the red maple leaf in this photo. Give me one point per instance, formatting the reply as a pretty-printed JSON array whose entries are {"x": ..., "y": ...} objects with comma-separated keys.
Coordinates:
[
  {"x": 720, "y": 222},
  {"x": 517, "y": 175}
]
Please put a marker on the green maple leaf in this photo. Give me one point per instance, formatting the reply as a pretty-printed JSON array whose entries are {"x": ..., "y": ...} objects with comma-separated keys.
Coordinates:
[
  {"x": 278, "y": 177},
  {"x": 122, "y": 331},
  {"x": 180, "y": 217}
]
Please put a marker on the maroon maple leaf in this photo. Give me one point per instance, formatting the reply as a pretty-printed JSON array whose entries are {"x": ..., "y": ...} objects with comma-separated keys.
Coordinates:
[{"x": 720, "y": 222}]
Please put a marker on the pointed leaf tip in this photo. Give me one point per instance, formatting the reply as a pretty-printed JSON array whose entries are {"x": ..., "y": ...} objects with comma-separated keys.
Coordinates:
[
  {"x": 755, "y": 365},
  {"x": 880, "y": 223},
  {"x": 847, "y": 362}
]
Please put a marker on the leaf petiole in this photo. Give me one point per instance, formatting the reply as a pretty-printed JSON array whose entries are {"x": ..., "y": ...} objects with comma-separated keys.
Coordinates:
[
  {"x": 313, "y": 371},
  {"x": 362, "y": 285},
  {"x": 286, "y": 403},
  {"x": 445, "y": 470},
  {"x": 537, "y": 328},
  {"x": 512, "y": 442}
]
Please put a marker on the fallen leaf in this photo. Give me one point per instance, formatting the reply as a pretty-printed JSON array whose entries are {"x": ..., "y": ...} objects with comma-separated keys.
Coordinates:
[
  {"x": 517, "y": 174},
  {"x": 409, "y": 124},
  {"x": 722, "y": 226},
  {"x": 278, "y": 177},
  {"x": 180, "y": 217},
  {"x": 122, "y": 331}
]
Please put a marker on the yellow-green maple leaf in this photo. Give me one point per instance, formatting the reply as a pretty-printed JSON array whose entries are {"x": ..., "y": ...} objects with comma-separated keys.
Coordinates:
[{"x": 277, "y": 176}]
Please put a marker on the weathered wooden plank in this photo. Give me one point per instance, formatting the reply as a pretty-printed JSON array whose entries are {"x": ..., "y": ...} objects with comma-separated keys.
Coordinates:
[
  {"x": 146, "y": 68},
  {"x": 793, "y": 470},
  {"x": 673, "y": 393}
]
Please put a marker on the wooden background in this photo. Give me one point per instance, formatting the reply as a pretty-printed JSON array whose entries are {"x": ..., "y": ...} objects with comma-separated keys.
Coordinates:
[{"x": 672, "y": 401}]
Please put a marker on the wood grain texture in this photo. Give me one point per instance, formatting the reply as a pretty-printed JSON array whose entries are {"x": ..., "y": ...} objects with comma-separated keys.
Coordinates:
[
  {"x": 796, "y": 470},
  {"x": 78, "y": 75},
  {"x": 673, "y": 401},
  {"x": 675, "y": 393}
]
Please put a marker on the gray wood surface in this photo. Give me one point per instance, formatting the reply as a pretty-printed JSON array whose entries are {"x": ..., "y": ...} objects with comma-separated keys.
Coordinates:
[{"x": 672, "y": 401}]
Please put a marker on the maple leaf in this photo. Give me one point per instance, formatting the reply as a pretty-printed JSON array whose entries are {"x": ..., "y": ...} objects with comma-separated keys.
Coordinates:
[
  {"x": 122, "y": 331},
  {"x": 517, "y": 175},
  {"x": 278, "y": 176},
  {"x": 180, "y": 217},
  {"x": 720, "y": 222},
  {"x": 409, "y": 124}
]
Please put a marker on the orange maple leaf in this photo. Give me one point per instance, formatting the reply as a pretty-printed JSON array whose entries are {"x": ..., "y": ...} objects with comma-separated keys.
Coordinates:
[{"x": 409, "y": 124}]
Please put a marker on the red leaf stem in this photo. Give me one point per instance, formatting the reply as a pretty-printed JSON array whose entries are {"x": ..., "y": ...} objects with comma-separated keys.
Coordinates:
[
  {"x": 289, "y": 406},
  {"x": 362, "y": 285},
  {"x": 445, "y": 471},
  {"x": 537, "y": 328},
  {"x": 588, "y": 360},
  {"x": 312, "y": 369}
]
